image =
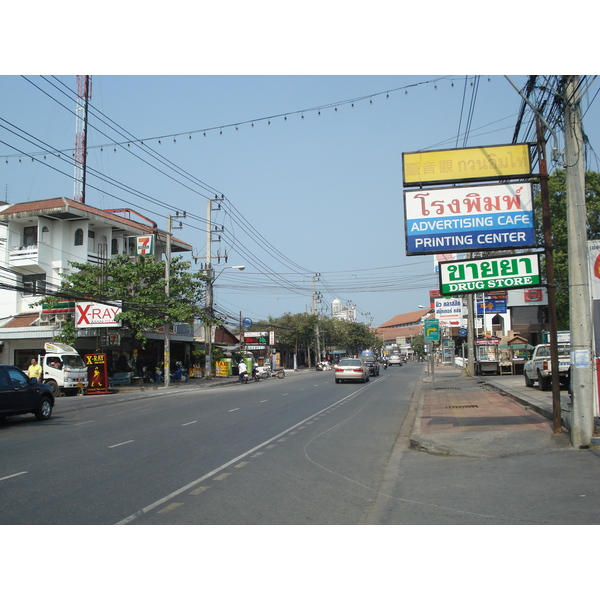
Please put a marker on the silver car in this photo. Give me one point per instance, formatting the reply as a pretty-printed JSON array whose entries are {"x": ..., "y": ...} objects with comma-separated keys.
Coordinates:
[{"x": 351, "y": 369}]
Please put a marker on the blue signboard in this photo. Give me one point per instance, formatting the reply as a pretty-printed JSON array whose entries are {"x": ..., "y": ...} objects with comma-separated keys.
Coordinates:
[
  {"x": 491, "y": 305},
  {"x": 469, "y": 219}
]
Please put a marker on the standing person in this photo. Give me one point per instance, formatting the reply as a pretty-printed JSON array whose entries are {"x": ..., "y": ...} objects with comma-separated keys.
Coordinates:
[
  {"x": 34, "y": 370},
  {"x": 242, "y": 368}
]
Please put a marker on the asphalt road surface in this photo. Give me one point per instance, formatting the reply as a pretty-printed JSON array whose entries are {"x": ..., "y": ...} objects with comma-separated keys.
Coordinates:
[{"x": 301, "y": 450}]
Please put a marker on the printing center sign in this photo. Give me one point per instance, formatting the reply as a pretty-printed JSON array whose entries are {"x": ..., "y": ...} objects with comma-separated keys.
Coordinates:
[
  {"x": 498, "y": 273},
  {"x": 465, "y": 219}
]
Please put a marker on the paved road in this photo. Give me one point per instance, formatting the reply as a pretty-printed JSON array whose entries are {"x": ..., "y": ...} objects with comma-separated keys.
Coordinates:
[{"x": 297, "y": 450}]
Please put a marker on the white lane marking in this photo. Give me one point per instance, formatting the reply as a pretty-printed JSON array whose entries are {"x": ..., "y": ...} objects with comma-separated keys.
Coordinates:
[
  {"x": 190, "y": 423},
  {"x": 121, "y": 444},
  {"x": 263, "y": 401},
  {"x": 83, "y": 423},
  {"x": 267, "y": 443},
  {"x": 13, "y": 475},
  {"x": 233, "y": 410}
]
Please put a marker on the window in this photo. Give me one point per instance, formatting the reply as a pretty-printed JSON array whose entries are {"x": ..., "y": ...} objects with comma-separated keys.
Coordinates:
[
  {"x": 79, "y": 237},
  {"x": 45, "y": 235},
  {"x": 114, "y": 246},
  {"x": 91, "y": 241},
  {"x": 34, "y": 285},
  {"x": 30, "y": 236}
]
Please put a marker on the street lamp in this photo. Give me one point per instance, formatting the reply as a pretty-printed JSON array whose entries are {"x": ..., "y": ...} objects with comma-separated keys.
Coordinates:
[{"x": 209, "y": 311}]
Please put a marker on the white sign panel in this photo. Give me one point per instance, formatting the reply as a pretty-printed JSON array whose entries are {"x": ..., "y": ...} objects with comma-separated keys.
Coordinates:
[
  {"x": 94, "y": 314},
  {"x": 464, "y": 219},
  {"x": 448, "y": 311}
]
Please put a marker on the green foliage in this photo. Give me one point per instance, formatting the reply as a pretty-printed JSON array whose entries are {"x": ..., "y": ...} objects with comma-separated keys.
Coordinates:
[
  {"x": 558, "y": 211},
  {"x": 418, "y": 345},
  {"x": 140, "y": 286},
  {"x": 67, "y": 333}
]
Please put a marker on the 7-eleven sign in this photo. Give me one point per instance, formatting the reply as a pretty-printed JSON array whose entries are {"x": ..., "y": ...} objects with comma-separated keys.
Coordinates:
[{"x": 145, "y": 245}]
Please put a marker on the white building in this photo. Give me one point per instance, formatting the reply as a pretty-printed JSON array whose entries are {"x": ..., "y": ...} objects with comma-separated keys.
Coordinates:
[
  {"x": 37, "y": 241},
  {"x": 343, "y": 312}
]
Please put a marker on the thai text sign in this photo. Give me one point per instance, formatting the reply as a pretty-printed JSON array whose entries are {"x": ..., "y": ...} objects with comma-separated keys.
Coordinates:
[
  {"x": 94, "y": 314},
  {"x": 465, "y": 219},
  {"x": 448, "y": 310},
  {"x": 466, "y": 164},
  {"x": 498, "y": 273}
]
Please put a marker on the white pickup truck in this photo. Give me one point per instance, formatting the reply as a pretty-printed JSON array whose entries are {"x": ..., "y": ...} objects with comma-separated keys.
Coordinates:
[{"x": 539, "y": 369}]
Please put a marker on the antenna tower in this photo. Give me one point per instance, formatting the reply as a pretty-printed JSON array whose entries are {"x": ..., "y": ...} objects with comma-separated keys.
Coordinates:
[{"x": 84, "y": 93}]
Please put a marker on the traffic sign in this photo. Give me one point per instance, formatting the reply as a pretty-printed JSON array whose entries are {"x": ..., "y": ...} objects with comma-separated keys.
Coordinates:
[
  {"x": 462, "y": 332},
  {"x": 432, "y": 330}
]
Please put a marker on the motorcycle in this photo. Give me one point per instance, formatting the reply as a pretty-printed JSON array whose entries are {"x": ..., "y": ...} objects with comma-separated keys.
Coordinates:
[
  {"x": 179, "y": 374},
  {"x": 245, "y": 377},
  {"x": 255, "y": 374},
  {"x": 279, "y": 373}
]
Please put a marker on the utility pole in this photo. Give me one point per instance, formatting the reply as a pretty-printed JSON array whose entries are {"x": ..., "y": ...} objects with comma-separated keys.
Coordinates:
[
  {"x": 167, "y": 349},
  {"x": 582, "y": 415},
  {"x": 551, "y": 282}
]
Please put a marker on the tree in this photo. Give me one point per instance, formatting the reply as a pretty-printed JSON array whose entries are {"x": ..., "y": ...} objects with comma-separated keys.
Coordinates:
[
  {"x": 140, "y": 285},
  {"x": 558, "y": 211}
]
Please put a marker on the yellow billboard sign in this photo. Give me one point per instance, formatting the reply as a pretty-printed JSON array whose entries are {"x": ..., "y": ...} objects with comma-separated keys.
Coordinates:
[{"x": 484, "y": 163}]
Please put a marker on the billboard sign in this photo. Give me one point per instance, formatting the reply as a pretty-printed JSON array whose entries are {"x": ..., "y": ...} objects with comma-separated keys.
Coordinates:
[
  {"x": 94, "y": 314},
  {"x": 467, "y": 219},
  {"x": 493, "y": 274},
  {"x": 489, "y": 163}
]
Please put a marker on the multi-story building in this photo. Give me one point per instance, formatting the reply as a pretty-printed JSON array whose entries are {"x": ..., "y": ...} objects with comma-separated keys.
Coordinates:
[{"x": 37, "y": 241}]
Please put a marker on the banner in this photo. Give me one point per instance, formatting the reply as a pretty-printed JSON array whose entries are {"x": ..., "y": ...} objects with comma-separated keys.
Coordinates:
[{"x": 94, "y": 314}]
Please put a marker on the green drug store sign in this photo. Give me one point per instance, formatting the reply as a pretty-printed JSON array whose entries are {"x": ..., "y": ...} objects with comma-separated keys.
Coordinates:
[{"x": 489, "y": 274}]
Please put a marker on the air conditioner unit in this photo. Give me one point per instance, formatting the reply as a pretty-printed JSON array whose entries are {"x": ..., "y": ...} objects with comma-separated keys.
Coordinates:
[
  {"x": 44, "y": 318},
  {"x": 60, "y": 317}
]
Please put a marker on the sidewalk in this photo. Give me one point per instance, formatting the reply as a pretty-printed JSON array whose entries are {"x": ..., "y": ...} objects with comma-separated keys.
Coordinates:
[{"x": 485, "y": 416}]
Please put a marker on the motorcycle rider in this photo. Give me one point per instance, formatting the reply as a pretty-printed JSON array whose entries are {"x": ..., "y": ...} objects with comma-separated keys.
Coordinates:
[{"x": 242, "y": 368}]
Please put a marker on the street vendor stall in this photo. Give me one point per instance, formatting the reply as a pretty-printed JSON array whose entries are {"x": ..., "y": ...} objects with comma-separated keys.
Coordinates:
[{"x": 487, "y": 356}]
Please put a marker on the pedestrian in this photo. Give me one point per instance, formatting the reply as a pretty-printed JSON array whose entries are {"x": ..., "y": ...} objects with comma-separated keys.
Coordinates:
[
  {"x": 34, "y": 370},
  {"x": 242, "y": 368}
]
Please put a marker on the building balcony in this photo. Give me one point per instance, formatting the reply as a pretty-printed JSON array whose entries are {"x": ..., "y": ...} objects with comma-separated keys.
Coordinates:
[{"x": 23, "y": 256}]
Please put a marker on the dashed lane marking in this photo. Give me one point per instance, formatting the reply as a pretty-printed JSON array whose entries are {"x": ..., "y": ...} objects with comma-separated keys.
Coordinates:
[
  {"x": 13, "y": 475},
  {"x": 121, "y": 444}
]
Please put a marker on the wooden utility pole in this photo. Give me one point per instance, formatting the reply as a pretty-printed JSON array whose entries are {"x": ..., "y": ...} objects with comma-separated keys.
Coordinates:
[{"x": 551, "y": 282}]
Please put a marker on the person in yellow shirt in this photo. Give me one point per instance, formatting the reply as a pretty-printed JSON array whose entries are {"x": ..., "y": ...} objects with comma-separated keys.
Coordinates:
[{"x": 34, "y": 370}]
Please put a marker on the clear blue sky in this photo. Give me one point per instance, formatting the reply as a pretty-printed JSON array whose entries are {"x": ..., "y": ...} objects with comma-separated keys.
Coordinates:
[{"x": 306, "y": 194}]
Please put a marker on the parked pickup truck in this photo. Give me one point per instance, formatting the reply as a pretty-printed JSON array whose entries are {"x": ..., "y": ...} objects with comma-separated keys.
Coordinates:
[{"x": 539, "y": 369}]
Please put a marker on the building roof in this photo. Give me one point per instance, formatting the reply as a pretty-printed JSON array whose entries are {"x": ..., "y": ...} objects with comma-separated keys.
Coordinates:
[
  {"x": 405, "y": 319},
  {"x": 22, "y": 320},
  {"x": 64, "y": 209}
]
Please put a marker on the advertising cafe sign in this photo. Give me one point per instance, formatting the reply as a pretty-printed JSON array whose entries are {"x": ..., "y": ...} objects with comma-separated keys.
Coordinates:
[
  {"x": 466, "y": 219},
  {"x": 497, "y": 273},
  {"x": 489, "y": 163}
]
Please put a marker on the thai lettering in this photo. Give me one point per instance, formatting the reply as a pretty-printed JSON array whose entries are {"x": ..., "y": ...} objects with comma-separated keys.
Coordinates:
[
  {"x": 456, "y": 272},
  {"x": 472, "y": 201}
]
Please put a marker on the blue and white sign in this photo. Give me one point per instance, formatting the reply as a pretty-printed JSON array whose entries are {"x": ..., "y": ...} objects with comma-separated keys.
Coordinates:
[{"x": 469, "y": 218}]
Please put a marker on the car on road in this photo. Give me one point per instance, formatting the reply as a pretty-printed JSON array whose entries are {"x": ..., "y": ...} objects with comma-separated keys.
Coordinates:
[
  {"x": 20, "y": 395},
  {"x": 372, "y": 363},
  {"x": 395, "y": 359},
  {"x": 351, "y": 369}
]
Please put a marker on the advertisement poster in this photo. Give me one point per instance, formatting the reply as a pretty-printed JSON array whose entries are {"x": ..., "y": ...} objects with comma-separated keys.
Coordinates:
[{"x": 97, "y": 373}]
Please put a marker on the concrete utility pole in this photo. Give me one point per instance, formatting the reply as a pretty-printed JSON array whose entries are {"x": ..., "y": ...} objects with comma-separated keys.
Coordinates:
[
  {"x": 582, "y": 416},
  {"x": 167, "y": 349}
]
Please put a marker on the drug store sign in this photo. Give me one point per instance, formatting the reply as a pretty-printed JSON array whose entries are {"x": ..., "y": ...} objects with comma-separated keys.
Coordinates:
[
  {"x": 472, "y": 218},
  {"x": 480, "y": 275}
]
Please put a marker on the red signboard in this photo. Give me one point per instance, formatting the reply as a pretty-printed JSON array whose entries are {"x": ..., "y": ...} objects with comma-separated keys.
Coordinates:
[{"x": 97, "y": 373}]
